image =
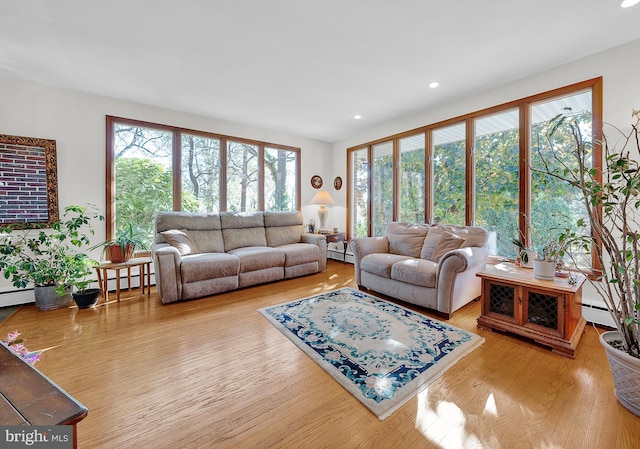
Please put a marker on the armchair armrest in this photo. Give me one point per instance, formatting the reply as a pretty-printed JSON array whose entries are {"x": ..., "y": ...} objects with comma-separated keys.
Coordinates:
[
  {"x": 456, "y": 278},
  {"x": 321, "y": 241},
  {"x": 167, "y": 260},
  {"x": 363, "y": 246}
]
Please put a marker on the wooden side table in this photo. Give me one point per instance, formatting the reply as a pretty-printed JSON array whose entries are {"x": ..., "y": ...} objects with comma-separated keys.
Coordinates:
[
  {"x": 144, "y": 266},
  {"x": 549, "y": 312},
  {"x": 339, "y": 237}
]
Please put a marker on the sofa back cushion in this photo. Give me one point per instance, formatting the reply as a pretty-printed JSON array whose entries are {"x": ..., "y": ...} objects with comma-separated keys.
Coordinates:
[
  {"x": 472, "y": 235},
  {"x": 242, "y": 229},
  {"x": 283, "y": 228},
  {"x": 204, "y": 229},
  {"x": 406, "y": 239}
]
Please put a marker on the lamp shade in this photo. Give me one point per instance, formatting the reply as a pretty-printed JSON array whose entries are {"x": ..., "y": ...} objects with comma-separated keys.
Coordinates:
[{"x": 322, "y": 198}]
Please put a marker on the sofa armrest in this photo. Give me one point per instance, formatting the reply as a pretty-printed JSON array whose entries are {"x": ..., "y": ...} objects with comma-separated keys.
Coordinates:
[
  {"x": 321, "y": 241},
  {"x": 167, "y": 260},
  {"x": 456, "y": 278},
  {"x": 364, "y": 246}
]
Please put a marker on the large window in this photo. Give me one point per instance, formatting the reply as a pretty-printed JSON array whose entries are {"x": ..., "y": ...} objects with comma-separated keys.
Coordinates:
[
  {"x": 153, "y": 168},
  {"x": 497, "y": 178},
  {"x": 449, "y": 174},
  {"x": 480, "y": 170}
]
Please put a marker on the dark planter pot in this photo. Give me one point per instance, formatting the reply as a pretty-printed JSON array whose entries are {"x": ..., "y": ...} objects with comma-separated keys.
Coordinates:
[
  {"x": 48, "y": 299},
  {"x": 87, "y": 298},
  {"x": 116, "y": 255}
]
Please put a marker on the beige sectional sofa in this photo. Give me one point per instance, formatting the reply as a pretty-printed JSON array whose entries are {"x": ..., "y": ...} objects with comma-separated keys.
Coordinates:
[
  {"x": 430, "y": 266},
  {"x": 198, "y": 255}
]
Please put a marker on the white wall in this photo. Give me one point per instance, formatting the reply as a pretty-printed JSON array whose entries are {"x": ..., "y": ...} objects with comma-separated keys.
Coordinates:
[
  {"x": 619, "y": 68},
  {"x": 76, "y": 121}
]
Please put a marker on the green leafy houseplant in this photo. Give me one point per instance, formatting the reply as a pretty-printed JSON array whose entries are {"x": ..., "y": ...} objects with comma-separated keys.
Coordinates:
[
  {"x": 128, "y": 239},
  {"x": 613, "y": 208},
  {"x": 611, "y": 197},
  {"x": 49, "y": 257}
]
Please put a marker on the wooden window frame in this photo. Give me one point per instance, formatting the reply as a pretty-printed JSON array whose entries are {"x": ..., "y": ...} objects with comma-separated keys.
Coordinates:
[
  {"x": 111, "y": 121},
  {"x": 523, "y": 105}
]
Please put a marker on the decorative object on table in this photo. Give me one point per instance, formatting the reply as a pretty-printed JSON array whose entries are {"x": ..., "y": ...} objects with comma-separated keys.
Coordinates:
[
  {"x": 49, "y": 259},
  {"x": 120, "y": 249},
  {"x": 316, "y": 182},
  {"x": 323, "y": 199},
  {"x": 613, "y": 203},
  {"x": 312, "y": 226},
  {"x": 16, "y": 344},
  {"x": 381, "y": 353},
  {"x": 337, "y": 183},
  {"x": 526, "y": 255}
]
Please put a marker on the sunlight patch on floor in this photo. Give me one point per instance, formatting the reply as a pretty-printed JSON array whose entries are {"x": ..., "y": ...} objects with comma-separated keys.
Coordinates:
[{"x": 445, "y": 424}]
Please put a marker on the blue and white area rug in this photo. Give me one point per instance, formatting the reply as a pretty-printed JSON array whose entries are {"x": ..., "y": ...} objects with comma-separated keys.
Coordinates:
[{"x": 382, "y": 353}]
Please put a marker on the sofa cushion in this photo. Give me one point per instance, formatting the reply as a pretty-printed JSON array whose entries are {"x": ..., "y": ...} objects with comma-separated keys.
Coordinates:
[
  {"x": 184, "y": 220},
  {"x": 438, "y": 242},
  {"x": 473, "y": 235},
  {"x": 181, "y": 240},
  {"x": 283, "y": 235},
  {"x": 300, "y": 253},
  {"x": 254, "y": 258},
  {"x": 208, "y": 241},
  {"x": 242, "y": 229},
  {"x": 406, "y": 238},
  {"x": 415, "y": 271},
  {"x": 283, "y": 228},
  {"x": 197, "y": 267},
  {"x": 380, "y": 263}
]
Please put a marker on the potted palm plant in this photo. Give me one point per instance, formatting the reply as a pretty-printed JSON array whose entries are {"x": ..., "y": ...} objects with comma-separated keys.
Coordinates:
[
  {"x": 48, "y": 259},
  {"x": 612, "y": 201}
]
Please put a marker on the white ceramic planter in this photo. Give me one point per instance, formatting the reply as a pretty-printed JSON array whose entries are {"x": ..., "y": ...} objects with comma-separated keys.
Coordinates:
[
  {"x": 626, "y": 373},
  {"x": 544, "y": 270}
]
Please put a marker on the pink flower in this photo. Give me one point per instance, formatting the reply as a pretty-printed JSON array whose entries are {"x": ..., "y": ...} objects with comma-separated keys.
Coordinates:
[{"x": 19, "y": 348}]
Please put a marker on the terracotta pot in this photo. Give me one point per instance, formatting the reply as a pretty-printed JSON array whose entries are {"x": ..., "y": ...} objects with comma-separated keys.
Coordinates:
[
  {"x": 626, "y": 373},
  {"x": 116, "y": 255},
  {"x": 48, "y": 299}
]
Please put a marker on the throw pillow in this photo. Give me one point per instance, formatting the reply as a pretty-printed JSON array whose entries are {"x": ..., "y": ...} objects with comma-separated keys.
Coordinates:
[
  {"x": 432, "y": 243},
  {"x": 447, "y": 243},
  {"x": 181, "y": 240}
]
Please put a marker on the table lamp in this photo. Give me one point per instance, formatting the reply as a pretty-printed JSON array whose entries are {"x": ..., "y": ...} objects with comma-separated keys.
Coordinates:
[{"x": 322, "y": 198}]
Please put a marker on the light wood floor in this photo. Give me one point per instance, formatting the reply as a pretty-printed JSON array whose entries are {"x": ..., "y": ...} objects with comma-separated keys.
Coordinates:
[{"x": 213, "y": 373}]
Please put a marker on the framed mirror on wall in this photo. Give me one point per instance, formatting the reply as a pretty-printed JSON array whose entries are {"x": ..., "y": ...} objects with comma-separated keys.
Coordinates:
[{"x": 28, "y": 182}]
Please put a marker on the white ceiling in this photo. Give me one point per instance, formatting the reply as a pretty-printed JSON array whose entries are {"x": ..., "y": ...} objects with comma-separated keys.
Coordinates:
[{"x": 298, "y": 66}]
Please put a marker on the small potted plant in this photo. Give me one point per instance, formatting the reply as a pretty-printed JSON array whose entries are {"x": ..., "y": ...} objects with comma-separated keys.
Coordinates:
[
  {"x": 78, "y": 271},
  {"x": 120, "y": 249},
  {"x": 47, "y": 259}
]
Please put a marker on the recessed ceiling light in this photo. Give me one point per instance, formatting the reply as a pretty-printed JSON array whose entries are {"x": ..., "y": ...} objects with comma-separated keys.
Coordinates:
[
  {"x": 628, "y": 3},
  {"x": 357, "y": 116},
  {"x": 434, "y": 84}
]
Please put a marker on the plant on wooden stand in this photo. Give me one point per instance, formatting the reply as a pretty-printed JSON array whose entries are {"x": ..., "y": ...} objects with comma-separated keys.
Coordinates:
[
  {"x": 120, "y": 248},
  {"x": 612, "y": 200}
]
